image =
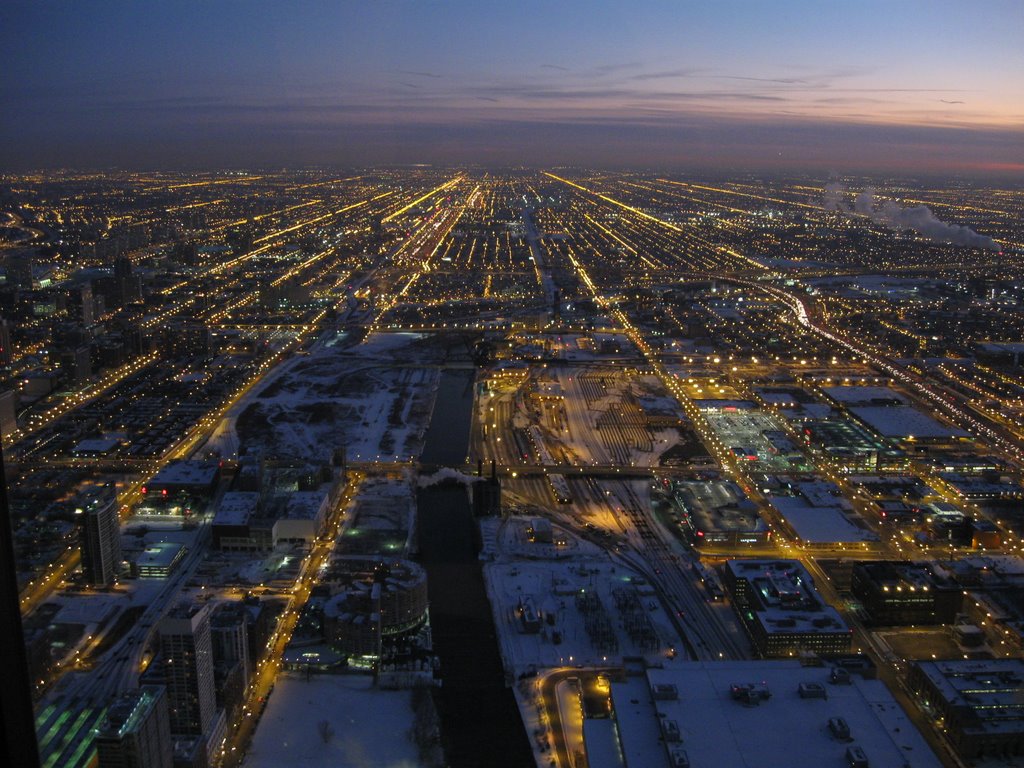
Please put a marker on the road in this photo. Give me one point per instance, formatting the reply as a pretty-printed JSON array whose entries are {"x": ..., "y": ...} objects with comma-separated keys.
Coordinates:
[
  {"x": 548, "y": 691},
  {"x": 268, "y": 667}
]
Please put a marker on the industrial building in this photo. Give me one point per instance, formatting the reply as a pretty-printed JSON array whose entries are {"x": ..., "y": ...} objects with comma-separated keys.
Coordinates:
[
  {"x": 977, "y": 702},
  {"x": 903, "y": 593},
  {"x": 781, "y": 609},
  {"x": 770, "y": 714},
  {"x": 717, "y": 512}
]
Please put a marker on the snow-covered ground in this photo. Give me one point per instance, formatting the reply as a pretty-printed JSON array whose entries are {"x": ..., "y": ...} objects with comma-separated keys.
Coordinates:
[
  {"x": 369, "y": 726},
  {"x": 592, "y": 610},
  {"x": 599, "y": 419},
  {"x": 374, "y": 399}
]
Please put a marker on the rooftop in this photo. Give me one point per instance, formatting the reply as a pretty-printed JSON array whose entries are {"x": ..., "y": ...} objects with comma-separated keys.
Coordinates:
[
  {"x": 862, "y": 395},
  {"x": 785, "y": 600},
  {"x": 159, "y": 555},
  {"x": 186, "y": 473},
  {"x": 904, "y": 422},
  {"x": 125, "y": 714},
  {"x": 782, "y": 731},
  {"x": 992, "y": 689},
  {"x": 236, "y": 508},
  {"x": 818, "y": 517},
  {"x": 897, "y": 574},
  {"x": 96, "y": 445},
  {"x": 305, "y": 505}
]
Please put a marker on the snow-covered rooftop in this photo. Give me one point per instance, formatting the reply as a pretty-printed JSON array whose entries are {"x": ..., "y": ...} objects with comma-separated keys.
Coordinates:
[
  {"x": 820, "y": 525},
  {"x": 855, "y": 395},
  {"x": 781, "y": 732},
  {"x": 186, "y": 473},
  {"x": 903, "y": 421},
  {"x": 236, "y": 508},
  {"x": 368, "y": 726},
  {"x": 305, "y": 505}
]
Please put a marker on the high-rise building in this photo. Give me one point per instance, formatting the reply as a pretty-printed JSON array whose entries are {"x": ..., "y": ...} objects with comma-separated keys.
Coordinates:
[
  {"x": 487, "y": 492},
  {"x": 6, "y": 352},
  {"x": 187, "y": 652},
  {"x": 230, "y": 637},
  {"x": 127, "y": 282},
  {"x": 8, "y": 412},
  {"x": 20, "y": 272},
  {"x": 86, "y": 305},
  {"x": 137, "y": 731},
  {"x": 181, "y": 339},
  {"x": 101, "y": 536},
  {"x": 231, "y": 668},
  {"x": 123, "y": 268},
  {"x": 76, "y": 364}
]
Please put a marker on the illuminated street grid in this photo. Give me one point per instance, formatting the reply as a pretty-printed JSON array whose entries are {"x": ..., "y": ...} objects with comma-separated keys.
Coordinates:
[{"x": 629, "y": 330}]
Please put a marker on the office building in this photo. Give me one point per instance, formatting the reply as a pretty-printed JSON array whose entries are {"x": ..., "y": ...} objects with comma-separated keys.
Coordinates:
[
  {"x": 781, "y": 609},
  {"x": 187, "y": 652},
  {"x": 229, "y": 636},
  {"x": 17, "y": 720},
  {"x": 136, "y": 732},
  {"x": 101, "y": 536},
  {"x": 6, "y": 352},
  {"x": 487, "y": 492},
  {"x": 977, "y": 703},
  {"x": 905, "y": 593},
  {"x": 76, "y": 364},
  {"x": 8, "y": 412}
]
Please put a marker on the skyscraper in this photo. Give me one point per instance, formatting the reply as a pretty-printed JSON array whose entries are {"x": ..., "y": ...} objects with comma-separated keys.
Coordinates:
[
  {"x": 187, "y": 651},
  {"x": 84, "y": 304},
  {"x": 126, "y": 280},
  {"x": 101, "y": 536},
  {"x": 230, "y": 640},
  {"x": 137, "y": 731},
  {"x": 6, "y": 352},
  {"x": 229, "y": 636}
]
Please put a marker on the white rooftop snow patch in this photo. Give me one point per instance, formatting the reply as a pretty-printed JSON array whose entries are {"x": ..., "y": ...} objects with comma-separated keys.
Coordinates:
[
  {"x": 785, "y": 730},
  {"x": 369, "y": 726}
]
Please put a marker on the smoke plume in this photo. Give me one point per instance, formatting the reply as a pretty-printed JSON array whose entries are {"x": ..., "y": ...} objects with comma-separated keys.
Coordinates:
[{"x": 918, "y": 218}]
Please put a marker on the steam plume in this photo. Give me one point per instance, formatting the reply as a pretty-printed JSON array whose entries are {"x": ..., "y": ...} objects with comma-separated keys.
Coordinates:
[{"x": 918, "y": 218}]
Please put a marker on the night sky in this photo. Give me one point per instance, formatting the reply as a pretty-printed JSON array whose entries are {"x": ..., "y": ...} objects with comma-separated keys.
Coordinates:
[{"x": 900, "y": 86}]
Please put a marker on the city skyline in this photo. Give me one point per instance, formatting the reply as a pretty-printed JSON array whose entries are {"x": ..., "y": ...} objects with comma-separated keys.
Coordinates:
[
  {"x": 247, "y": 417},
  {"x": 909, "y": 88},
  {"x": 466, "y": 384}
]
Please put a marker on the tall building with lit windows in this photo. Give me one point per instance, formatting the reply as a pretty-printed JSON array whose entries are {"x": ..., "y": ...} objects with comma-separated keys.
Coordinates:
[
  {"x": 101, "y": 536},
  {"x": 6, "y": 352},
  {"x": 187, "y": 651},
  {"x": 781, "y": 609},
  {"x": 136, "y": 732}
]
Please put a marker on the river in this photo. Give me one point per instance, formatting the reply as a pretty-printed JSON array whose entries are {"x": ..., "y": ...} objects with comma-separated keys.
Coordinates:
[
  {"x": 447, "y": 439},
  {"x": 480, "y": 721}
]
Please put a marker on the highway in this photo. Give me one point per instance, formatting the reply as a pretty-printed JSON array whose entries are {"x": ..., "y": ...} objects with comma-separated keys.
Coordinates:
[{"x": 950, "y": 403}]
